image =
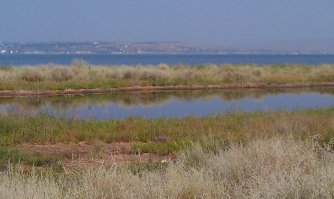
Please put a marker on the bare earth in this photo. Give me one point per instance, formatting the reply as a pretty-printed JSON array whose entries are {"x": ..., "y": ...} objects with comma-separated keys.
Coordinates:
[{"x": 74, "y": 156}]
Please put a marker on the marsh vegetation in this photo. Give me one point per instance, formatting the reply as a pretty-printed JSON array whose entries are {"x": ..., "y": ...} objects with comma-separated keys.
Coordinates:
[
  {"x": 279, "y": 167},
  {"x": 81, "y": 75},
  {"x": 258, "y": 155},
  {"x": 179, "y": 133},
  {"x": 273, "y": 154}
]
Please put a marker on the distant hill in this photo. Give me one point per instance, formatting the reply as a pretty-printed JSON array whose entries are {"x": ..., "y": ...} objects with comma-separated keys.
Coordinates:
[
  {"x": 322, "y": 46},
  {"x": 305, "y": 46},
  {"x": 103, "y": 47}
]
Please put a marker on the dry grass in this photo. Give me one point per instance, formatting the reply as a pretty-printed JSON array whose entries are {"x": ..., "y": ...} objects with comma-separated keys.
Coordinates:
[
  {"x": 263, "y": 168},
  {"x": 81, "y": 75}
]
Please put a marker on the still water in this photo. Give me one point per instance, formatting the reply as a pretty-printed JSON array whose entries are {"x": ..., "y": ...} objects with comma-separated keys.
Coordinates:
[
  {"x": 167, "y": 104},
  {"x": 110, "y": 59}
]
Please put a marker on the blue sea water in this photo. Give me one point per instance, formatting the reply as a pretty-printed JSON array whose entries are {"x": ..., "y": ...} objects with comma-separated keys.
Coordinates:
[{"x": 112, "y": 59}]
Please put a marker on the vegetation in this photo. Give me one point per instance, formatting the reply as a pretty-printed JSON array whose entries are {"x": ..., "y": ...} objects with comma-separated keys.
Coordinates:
[
  {"x": 80, "y": 75},
  {"x": 265, "y": 168},
  {"x": 232, "y": 128},
  {"x": 238, "y": 155},
  {"x": 14, "y": 156}
]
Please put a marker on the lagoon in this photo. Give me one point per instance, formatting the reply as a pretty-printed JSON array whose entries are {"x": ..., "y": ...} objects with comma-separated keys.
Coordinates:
[{"x": 168, "y": 104}]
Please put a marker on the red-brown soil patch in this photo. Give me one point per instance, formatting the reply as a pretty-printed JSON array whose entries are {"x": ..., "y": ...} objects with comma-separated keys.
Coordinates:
[{"x": 77, "y": 155}]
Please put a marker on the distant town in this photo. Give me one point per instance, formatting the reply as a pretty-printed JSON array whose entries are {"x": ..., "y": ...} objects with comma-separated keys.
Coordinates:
[{"x": 130, "y": 48}]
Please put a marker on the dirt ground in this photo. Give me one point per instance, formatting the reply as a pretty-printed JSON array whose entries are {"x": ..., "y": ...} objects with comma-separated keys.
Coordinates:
[{"x": 74, "y": 156}]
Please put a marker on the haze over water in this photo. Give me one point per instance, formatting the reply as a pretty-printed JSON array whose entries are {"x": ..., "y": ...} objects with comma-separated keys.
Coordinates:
[{"x": 109, "y": 59}]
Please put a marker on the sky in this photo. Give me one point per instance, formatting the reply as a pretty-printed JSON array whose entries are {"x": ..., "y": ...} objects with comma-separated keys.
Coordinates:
[{"x": 210, "y": 22}]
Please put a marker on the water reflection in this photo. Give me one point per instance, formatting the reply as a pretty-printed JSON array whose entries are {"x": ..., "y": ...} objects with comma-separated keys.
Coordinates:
[{"x": 167, "y": 104}]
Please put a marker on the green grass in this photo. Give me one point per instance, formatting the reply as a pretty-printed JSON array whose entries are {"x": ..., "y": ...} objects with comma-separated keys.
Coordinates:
[
  {"x": 233, "y": 127},
  {"x": 10, "y": 155},
  {"x": 161, "y": 148},
  {"x": 81, "y": 75}
]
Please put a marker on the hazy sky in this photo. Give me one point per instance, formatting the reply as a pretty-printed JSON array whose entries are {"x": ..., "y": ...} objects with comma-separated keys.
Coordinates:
[{"x": 214, "y": 22}]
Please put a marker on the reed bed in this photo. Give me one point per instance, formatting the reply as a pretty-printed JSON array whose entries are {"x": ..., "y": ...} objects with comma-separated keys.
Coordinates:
[
  {"x": 278, "y": 167},
  {"x": 80, "y": 75}
]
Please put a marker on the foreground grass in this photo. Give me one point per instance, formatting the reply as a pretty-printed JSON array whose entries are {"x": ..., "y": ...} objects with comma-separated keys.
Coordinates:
[
  {"x": 239, "y": 155},
  {"x": 80, "y": 75},
  {"x": 278, "y": 167},
  {"x": 145, "y": 133},
  {"x": 14, "y": 156}
]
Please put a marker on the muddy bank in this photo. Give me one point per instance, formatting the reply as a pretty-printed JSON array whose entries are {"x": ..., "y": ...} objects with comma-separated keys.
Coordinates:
[{"x": 156, "y": 89}]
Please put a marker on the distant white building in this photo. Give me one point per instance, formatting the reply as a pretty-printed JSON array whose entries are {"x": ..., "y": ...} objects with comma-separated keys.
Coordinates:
[{"x": 3, "y": 51}]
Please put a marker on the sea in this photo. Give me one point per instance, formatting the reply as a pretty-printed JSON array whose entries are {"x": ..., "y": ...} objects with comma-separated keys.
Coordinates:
[{"x": 145, "y": 59}]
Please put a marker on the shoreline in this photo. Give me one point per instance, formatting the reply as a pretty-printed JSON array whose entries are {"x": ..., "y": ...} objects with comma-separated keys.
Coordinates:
[{"x": 10, "y": 93}]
